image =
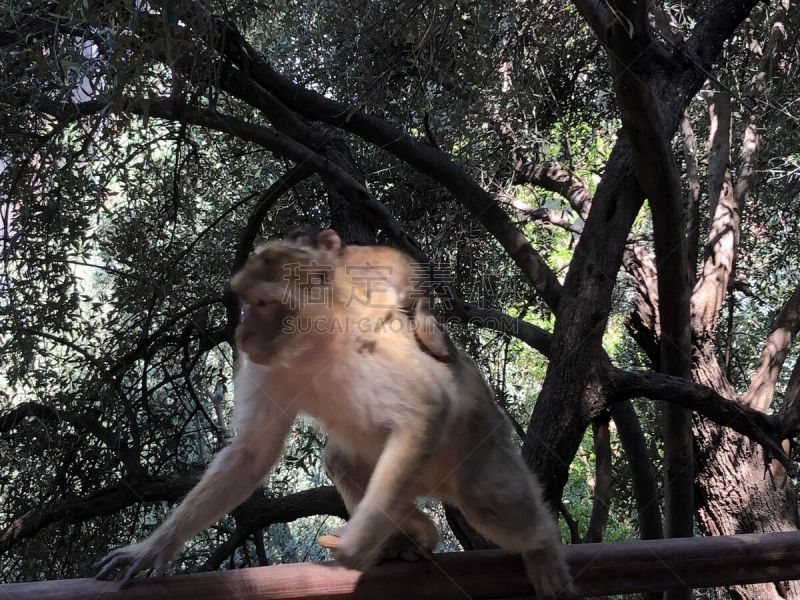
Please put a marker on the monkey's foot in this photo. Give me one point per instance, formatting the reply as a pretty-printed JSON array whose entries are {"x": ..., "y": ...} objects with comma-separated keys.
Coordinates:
[
  {"x": 400, "y": 546},
  {"x": 548, "y": 572},
  {"x": 405, "y": 547}
]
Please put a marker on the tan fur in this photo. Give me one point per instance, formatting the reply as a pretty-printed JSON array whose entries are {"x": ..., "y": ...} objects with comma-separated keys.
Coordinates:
[
  {"x": 373, "y": 281},
  {"x": 401, "y": 424}
]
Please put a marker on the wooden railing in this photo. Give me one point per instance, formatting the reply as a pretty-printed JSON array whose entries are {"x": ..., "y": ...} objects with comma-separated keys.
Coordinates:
[{"x": 599, "y": 569}]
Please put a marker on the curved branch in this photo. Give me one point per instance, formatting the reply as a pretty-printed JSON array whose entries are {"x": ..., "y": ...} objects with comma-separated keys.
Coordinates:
[
  {"x": 278, "y": 143},
  {"x": 759, "y": 427},
  {"x": 104, "y": 502},
  {"x": 244, "y": 246},
  {"x": 424, "y": 157},
  {"x": 784, "y": 330},
  {"x": 545, "y": 215},
  {"x": 85, "y": 422},
  {"x": 375, "y": 212},
  {"x": 291, "y": 178},
  {"x": 534, "y": 336},
  {"x": 557, "y": 180},
  {"x": 116, "y": 497},
  {"x": 790, "y": 415},
  {"x": 259, "y": 512}
]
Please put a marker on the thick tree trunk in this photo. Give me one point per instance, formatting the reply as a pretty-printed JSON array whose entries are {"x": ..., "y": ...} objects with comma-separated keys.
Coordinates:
[
  {"x": 734, "y": 491},
  {"x": 575, "y": 375},
  {"x": 574, "y": 383},
  {"x": 345, "y": 216}
]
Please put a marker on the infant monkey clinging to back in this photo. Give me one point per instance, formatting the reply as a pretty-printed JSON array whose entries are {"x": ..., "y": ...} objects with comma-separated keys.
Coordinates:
[
  {"x": 401, "y": 424},
  {"x": 374, "y": 280}
]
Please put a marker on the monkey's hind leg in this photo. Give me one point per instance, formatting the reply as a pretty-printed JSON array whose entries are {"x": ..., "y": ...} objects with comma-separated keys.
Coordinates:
[
  {"x": 415, "y": 534},
  {"x": 502, "y": 501}
]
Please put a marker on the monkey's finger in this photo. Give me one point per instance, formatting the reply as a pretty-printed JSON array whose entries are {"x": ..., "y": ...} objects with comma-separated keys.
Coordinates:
[
  {"x": 108, "y": 557},
  {"x": 127, "y": 581},
  {"x": 111, "y": 562},
  {"x": 328, "y": 541}
]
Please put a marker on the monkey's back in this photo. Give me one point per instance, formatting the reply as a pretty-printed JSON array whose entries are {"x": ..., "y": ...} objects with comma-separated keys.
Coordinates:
[{"x": 361, "y": 392}]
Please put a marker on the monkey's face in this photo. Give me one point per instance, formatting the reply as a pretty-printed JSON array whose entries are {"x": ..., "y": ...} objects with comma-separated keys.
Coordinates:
[{"x": 280, "y": 284}]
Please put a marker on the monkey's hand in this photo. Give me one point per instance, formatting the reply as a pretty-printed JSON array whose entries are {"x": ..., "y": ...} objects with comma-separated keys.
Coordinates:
[{"x": 151, "y": 553}]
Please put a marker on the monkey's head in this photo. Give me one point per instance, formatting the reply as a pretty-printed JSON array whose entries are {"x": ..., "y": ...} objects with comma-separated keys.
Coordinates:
[
  {"x": 282, "y": 283},
  {"x": 309, "y": 235}
]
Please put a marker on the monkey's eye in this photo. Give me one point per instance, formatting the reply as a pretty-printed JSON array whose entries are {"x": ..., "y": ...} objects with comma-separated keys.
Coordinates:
[{"x": 261, "y": 302}]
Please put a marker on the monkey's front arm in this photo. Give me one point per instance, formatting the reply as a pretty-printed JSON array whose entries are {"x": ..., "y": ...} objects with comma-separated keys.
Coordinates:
[{"x": 232, "y": 476}]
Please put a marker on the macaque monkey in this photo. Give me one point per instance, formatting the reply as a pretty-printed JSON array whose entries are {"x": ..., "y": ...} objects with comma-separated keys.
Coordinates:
[
  {"x": 373, "y": 281},
  {"x": 401, "y": 425}
]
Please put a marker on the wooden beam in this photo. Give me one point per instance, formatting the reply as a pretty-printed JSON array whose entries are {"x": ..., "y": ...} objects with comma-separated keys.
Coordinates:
[{"x": 599, "y": 569}]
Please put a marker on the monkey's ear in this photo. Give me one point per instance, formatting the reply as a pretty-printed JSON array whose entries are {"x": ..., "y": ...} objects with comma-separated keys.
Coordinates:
[
  {"x": 261, "y": 245},
  {"x": 329, "y": 241}
]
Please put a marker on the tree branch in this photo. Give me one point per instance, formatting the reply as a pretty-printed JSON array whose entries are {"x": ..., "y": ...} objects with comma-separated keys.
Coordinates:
[
  {"x": 572, "y": 525},
  {"x": 713, "y": 29},
  {"x": 693, "y": 179},
  {"x": 259, "y": 512},
  {"x": 534, "y": 336},
  {"x": 545, "y": 215},
  {"x": 759, "y": 427},
  {"x": 422, "y": 156},
  {"x": 85, "y": 422},
  {"x": 632, "y": 51},
  {"x": 723, "y": 236},
  {"x": 268, "y": 138},
  {"x": 790, "y": 414},
  {"x": 765, "y": 377},
  {"x": 643, "y": 479},
  {"x": 557, "y": 180},
  {"x": 375, "y": 212},
  {"x": 597, "y": 15},
  {"x": 244, "y": 246},
  {"x": 569, "y": 393},
  {"x": 103, "y": 502},
  {"x": 142, "y": 347},
  {"x": 107, "y": 501},
  {"x": 602, "y": 481},
  {"x": 777, "y": 36}
]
